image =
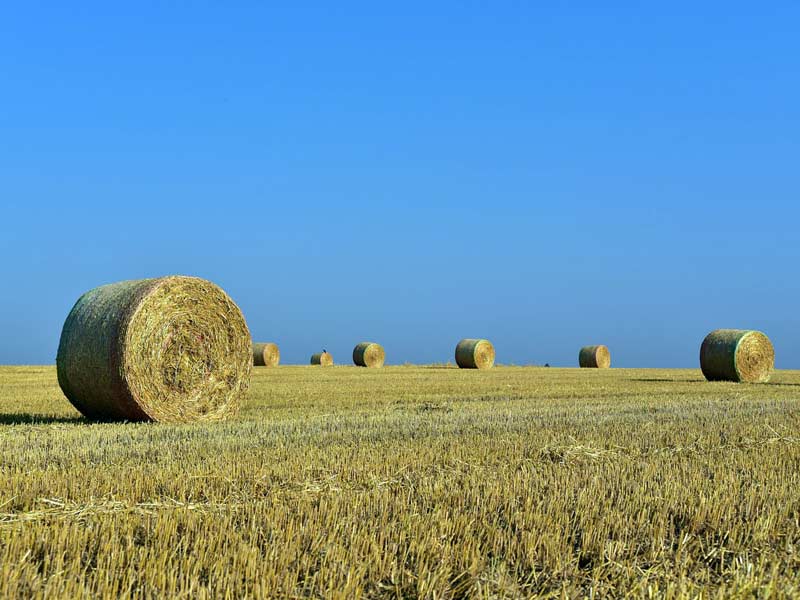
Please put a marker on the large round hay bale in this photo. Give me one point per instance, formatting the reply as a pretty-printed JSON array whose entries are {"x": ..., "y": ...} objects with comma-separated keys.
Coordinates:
[
  {"x": 475, "y": 354},
  {"x": 737, "y": 355},
  {"x": 594, "y": 357},
  {"x": 369, "y": 354},
  {"x": 266, "y": 354},
  {"x": 170, "y": 349},
  {"x": 323, "y": 359}
]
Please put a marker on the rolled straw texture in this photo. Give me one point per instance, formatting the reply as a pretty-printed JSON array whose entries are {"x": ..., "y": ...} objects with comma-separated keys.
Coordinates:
[
  {"x": 171, "y": 349},
  {"x": 323, "y": 359},
  {"x": 594, "y": 357},
  {"x": 369, "y": 354},
  {"x": 737, "y": 355},
  {"x": 266, "y": 354},
  {"x": 475, "y": 354}
]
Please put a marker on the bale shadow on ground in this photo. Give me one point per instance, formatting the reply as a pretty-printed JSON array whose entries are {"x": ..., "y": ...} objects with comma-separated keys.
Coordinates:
[
  {"x": 667, "y": 380},
  {"x": 36, "y": 419}
]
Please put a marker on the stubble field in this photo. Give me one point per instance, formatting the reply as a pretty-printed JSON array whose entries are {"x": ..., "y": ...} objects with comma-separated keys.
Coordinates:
[{"x": 408, "y": 482}]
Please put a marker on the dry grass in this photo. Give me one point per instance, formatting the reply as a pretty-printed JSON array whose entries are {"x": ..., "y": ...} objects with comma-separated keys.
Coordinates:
[{"x": 411, "y": 482}]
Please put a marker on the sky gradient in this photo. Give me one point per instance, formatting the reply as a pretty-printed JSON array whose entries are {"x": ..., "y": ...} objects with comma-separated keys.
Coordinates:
[{"x": 543, "y": 176}]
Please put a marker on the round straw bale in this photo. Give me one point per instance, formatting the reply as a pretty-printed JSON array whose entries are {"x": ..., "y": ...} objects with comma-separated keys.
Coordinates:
[
  {"x": 737, "y": 355},
  {"x": 323, "y": 359},
  {"x": 475, "y": 354},
  {"x": 369, "y": 354},
  {"x": 266, "y": 355},
  {"x": 594, "y": 357},
  {"x": 171, "y": 349}
]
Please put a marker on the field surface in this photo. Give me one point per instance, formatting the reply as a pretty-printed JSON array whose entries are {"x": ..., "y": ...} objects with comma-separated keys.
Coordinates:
[{"x": 409, "y": 482}]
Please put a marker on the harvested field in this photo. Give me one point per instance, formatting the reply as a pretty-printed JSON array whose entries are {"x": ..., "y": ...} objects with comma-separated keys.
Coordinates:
[{"x": 407, "y": 482}]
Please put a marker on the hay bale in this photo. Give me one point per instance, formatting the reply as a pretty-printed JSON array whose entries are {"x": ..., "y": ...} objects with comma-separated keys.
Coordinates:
[
  {"x": 171, "y": 349},
  {"x": 594, "y": 357},
  {"x": 737, "y": 355},
  {"x": 369, "y": 354},
  {"x": 323, "y": 359},
  {"x": 475, "y": 354},
  {"x": 266, "y": 355}
]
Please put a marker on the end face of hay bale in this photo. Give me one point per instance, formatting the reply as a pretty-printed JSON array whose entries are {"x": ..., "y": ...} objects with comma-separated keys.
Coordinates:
[
  {"x": 323, "y": 359},
  {"x": 474, "y": 353},
  {"x": 594, "y": 357},
  {"x": 369, "y": 354},
  {"x": 266, "y": 355},
  {"x": 171, "y": 349},
  {"x": 739, "y": 355}
]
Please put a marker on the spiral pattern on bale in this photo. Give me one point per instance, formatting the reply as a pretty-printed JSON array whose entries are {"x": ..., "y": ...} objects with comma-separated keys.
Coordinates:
[
  {"x": 369, "y": 354},
  {"x": 594, "y": 357},
  {"x": 266, "y": 354},
  {"x": 739, "y": 355},
  {"x": 475, "y": 354},
  {"x": 323, "y": 359},
  {"x": 170, "y": 349}
]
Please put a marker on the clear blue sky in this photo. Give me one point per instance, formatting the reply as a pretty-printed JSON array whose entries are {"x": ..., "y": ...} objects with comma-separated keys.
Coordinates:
[{"x": 546, "y": 175}]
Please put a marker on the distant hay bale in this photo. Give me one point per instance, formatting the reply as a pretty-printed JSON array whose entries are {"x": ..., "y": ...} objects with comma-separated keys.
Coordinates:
[
  {"x": 170, "y": 349},
  {"x": 475, "y": 354},
  {"x": 737, "y": 355},
  {"x": 369, "y": 354},
  {"x": 266, "y": 355},
  {"x": 594, "y": 357},
  {"x": 323, "y": 359}
]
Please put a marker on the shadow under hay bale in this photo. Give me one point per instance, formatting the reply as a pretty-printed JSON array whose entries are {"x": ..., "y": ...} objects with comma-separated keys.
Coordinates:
[
  {"x": 266, "y": 355},
  {"x": 171, "y": 349},
  {"x": 594, "y": 357},
  {"x": 739, "y": 355},
  {"x": 475, "y": 354}
]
